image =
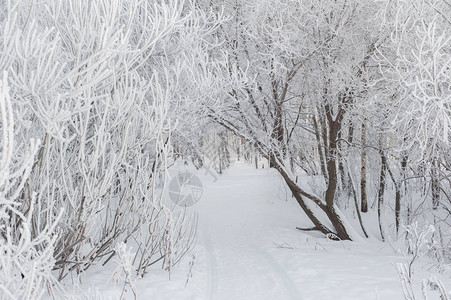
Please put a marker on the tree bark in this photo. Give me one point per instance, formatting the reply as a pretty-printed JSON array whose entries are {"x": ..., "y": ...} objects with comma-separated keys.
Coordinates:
[
  {"x": 330, "y": 195},
  {"x": 380, "y": 195},
  {"x": 397, "y": 196},
  {"x": 256, "y": 160},
  {"x": 334, "y": 127},
  {"x": 297, "y": 194},
  {"x": 363, "y": 195},
  {"x": 397, "y": 205},
  {"x": 322, "y": 160},
  {"x": 404, "y": 161},
  {"x": 356, "y": 202},
  {"x": 341, "y": 168},
  {"x": 435, "y": 183}
]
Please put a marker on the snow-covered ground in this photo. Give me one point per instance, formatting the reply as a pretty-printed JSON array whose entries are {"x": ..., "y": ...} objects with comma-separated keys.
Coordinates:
[{"x": 248, "y": 248}]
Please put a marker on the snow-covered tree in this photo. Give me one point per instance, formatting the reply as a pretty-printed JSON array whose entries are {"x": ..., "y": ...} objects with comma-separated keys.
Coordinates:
[{"x": 299, "y": 71}]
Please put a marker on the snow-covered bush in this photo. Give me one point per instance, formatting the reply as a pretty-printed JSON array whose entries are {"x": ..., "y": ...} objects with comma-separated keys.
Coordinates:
[
  {"x": 419, "y": 245},
  {"x": 102, "y": 84},
  {"x": 124, "y": 272},
  {"x": 416, "y": 64},
  {"x": 26, "y": 257}
]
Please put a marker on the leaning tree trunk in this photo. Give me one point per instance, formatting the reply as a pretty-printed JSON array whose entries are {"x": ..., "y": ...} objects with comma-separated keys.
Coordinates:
[
  {"x": 331, "y": 190},
  {"x": 298, "y": 195},
  {"x": 331, "y": 163}
]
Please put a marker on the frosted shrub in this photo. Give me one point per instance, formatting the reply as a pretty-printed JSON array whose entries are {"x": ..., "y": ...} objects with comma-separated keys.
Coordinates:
[
  {"x": 101, "y": 83},
  {"x": 420, "y": 242},
  {"x": 124, "y": 272},
  {"x": 26, "y": 259}
]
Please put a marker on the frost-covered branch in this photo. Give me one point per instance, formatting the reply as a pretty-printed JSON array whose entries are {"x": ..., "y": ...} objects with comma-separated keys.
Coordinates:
[{"x": 27, "y": 258}]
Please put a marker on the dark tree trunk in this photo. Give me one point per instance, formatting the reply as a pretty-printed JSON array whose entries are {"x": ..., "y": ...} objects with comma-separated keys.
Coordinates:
[
  {"x": 435, "y": 184},
  {"x": 322, "y": 160},
  {"x": 341, "y": 168},
  {"x": 363, "y": 196},
  {"x": 256, "y": 160},
  {"x": 380, "y": 196},
  {"x": 330, "y": 194},
  {"x": 297, "y": 194},
  {"x": 351, "y": 134},
  {"x": 397, "y": 197},
  {"x": 277, "y": 134},
  {"x": 397, "y": 205},
  {"x": 356, "y": 203},
  {"x": 334, "y": 128},
  {"x": 404, "y": 161}
]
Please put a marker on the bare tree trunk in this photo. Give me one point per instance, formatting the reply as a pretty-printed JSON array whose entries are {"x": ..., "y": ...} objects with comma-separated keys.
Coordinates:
[
  {"x": 404, "y": 161},
  {"x": 397, "y": 205},
  {"x": 435, "y": 183},
  {"x": 323, "y": 127},
  {"x": 330, "y": 194},
  {"x": 350, "y": 183},
  {"x": 397, "y": 198},
  {"x": 341, "y": 168},
  {"x": 380, "y": 196},
  {"x": 320, "y": 148},
  {"x": 363, "y": 195},
  {"x": 297, "y": 194},
  {"x": 356, "y": 202},
  {"x": 256, "y": 160},
  {"x": 278, "y": 129},
  {"x": 351, "y": 134},
  {"x": 334, "y": 128}
]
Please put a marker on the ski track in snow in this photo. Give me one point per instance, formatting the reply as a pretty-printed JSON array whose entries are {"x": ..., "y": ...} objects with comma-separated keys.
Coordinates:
[
  {"x": 211, "y": 284},
  {"x": 238, "y": 266},
  {"x": 287, "y": 281},
  {"x": 255, "y": 257},
  {"x": 218, "y": 273}
]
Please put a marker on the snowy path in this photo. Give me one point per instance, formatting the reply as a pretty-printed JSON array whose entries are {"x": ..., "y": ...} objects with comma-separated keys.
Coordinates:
[
  {"x": 252, "y": 251},
  {"x": 239, "y": 266}
]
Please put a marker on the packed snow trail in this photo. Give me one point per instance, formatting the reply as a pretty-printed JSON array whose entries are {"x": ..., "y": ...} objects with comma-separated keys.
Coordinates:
[
  {"x": 232, "y": 233},
  {"x": 251, "y": 249}
]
